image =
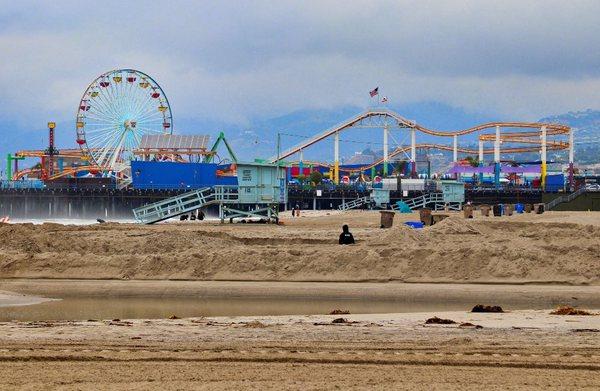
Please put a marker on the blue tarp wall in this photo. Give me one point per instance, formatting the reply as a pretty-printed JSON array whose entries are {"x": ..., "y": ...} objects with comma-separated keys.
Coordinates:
[
  {"x": 555, "y": 182},
  {"x": 172, "y": 175}
]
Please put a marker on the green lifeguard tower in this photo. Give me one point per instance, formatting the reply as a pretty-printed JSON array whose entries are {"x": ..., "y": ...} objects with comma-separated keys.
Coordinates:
[
  {"x": 453, "y": 192},
  {"x": 260, "y": 185}
]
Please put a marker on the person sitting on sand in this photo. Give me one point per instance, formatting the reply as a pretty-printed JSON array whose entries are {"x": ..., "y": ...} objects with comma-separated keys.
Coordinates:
[{"x": 346, "y": 237}]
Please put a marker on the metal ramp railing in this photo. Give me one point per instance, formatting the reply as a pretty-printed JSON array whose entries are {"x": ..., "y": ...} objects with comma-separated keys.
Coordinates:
[
  {"x": 184, "y": 203},
  {"x": 354, "y": 203},
  {"x": 422, "y": 201},
  {"x": 437, "y": 199},
  {"x": 565, "y": 198}
]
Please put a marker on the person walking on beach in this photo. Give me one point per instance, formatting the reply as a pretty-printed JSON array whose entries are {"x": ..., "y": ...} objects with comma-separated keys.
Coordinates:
[{"x": 346, "y": 237}]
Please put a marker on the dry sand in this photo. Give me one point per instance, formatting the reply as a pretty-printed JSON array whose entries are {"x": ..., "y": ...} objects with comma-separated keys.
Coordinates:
[
  {"x": 556, "y": 247},
  {"x": 521, "y": 349}
]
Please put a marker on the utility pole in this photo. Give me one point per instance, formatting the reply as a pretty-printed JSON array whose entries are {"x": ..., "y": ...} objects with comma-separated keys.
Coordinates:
[{"x": 278, "y": 146}]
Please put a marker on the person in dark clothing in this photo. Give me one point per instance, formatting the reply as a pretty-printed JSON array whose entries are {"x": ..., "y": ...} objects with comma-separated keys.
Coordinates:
[{"x": 346, "y": 237}]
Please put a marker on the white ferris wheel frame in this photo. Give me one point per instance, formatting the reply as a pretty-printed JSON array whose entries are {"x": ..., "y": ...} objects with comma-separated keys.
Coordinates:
[{"x": 115, "y": 111}]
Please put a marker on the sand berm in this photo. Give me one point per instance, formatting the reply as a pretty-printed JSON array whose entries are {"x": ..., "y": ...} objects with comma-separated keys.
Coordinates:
[{"x": 556, "y": 247}]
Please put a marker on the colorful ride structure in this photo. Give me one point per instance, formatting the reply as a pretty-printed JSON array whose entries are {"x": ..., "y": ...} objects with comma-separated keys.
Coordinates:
[
  {"x": 524, "y": 137},
  {"x": 116, "y": 110}
]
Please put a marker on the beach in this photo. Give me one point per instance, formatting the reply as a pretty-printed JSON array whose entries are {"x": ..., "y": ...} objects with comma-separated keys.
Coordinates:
[{"x": 261, "y": 296}]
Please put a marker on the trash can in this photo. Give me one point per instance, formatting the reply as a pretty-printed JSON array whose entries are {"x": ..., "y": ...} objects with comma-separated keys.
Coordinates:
[
  {"x": 497, "y": 210},
  {"x": 508, "y": 209},
  {"x": 538, "y": 208},
  {"x": 468, "y": 211},
  {"x": 425, "y": 216},
  {"x": 485, "y": 210},
  {"x": 528, "y": 208},
  {"x": 519, "y": 208},
  {"x": 387, "y": 218}
]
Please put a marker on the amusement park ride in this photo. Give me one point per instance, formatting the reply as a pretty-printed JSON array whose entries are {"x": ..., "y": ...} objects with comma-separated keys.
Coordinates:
[
  {"x": 535, "y": 141},
  {"x": 117, "y": 110},
  {"x": 122, "y": 110}
]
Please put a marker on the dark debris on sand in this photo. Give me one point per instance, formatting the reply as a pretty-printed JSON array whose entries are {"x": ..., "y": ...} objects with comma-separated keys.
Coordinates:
[
  {"x": 487, "y": 308},
  {"x": 436, "y": 320}
]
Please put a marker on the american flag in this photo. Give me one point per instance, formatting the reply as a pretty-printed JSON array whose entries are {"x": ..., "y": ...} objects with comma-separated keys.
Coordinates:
[{"x": 374, "y": 92}]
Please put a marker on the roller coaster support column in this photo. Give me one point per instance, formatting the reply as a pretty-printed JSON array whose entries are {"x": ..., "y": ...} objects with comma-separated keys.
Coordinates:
[
  {"x": 336, "y": 158},
  {"x": 543, "y": 152},
  {"x": 497, "y": 158},
  {"x": 571, "y": 160},
  {"x": 413, "y": 153},
  {"x": 301, "y": 163},
  {"x": 385, "y": 150},
  {"x": 480, "y": 160},
  {"x": 455, "y": 149},
  {"x": 455, "y": 152}
]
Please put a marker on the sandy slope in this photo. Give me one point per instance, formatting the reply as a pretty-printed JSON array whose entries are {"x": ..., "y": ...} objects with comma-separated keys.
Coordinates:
[{"x": 554, "y": 247}]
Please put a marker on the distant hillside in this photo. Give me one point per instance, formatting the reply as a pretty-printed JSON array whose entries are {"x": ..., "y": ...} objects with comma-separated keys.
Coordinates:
[{"x": 587, "y": 133}]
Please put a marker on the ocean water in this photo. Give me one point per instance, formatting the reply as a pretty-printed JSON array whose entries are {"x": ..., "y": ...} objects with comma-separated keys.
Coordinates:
[{"x": 67, "y": 221}]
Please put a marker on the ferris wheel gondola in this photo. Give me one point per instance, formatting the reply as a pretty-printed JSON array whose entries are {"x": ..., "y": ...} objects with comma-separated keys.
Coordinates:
[{"x": 115, "y": 111}]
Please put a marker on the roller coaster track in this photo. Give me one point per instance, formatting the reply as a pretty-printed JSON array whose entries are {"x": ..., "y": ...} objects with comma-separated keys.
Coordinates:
[
  {"x": 64, "y": 153},
  {"x": 27, "y": 171},
  {"x": 551, "y": 146},
  {"x": 74, "y": 170},
  {"x": 441, "y": 147},
  {"x": 71, "y": 153},
  {"x": 384, "y": 117},
  {"x": 65, "y": 172}
]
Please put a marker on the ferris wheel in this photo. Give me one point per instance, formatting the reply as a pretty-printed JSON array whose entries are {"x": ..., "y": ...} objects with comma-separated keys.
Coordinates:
[{"x": 115, "y": 111}]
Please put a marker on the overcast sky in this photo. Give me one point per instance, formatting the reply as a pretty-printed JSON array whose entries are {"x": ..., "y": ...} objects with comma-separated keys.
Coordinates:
[{"x": 231, "y": 62}]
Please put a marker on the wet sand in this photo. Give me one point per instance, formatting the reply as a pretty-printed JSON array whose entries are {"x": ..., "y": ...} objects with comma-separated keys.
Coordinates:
[
  {"x": 520, "y": 349},
  {"x": 13, "y": 299},
  {"x": 83, "y": 299}
]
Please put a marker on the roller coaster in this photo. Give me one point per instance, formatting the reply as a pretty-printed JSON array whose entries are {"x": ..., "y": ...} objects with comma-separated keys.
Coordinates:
[
  {"x": 74, "y": 154},
  {"x": 536, "y": 141},
  {"x": 440, "y": 147}
]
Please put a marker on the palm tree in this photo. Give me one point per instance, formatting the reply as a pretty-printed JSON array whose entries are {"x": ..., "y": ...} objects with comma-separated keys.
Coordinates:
[{"x": 473, "y": 162}]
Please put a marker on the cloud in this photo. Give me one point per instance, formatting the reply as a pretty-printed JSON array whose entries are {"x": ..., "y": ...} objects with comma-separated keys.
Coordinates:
[{"x": 232, "y": 62}]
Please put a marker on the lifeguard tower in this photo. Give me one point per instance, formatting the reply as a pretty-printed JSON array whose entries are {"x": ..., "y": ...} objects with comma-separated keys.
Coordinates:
[{"x": 261, "y": 188}]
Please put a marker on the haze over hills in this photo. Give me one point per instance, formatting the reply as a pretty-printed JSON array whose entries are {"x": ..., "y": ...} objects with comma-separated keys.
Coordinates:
[{"x": 587, "y": 133}]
